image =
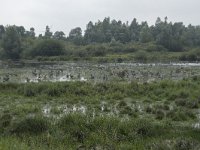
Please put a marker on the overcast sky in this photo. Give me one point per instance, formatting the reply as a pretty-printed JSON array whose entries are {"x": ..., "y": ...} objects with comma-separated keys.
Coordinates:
[{"x": 63, "y": 15}]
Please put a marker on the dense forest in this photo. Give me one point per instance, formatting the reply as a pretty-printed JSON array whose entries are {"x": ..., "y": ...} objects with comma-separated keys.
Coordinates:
[{"x": 105, "y": 38}]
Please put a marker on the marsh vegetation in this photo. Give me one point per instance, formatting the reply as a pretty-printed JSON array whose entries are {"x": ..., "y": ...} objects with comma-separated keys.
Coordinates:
[{"x": 107, "y": 115}]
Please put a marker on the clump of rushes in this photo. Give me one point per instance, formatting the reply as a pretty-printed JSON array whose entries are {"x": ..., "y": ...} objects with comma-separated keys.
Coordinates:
[
  {"x": 30, "y": 125},
  {"x": 53, "y": 91},
  {"x": 5, "y": 121},
  {"x": 176, "y": 144},
  {"x": 181, "y": 115},
  {"x": 186, "y": 143},
  {"x": 193, "y": 104},
  {"x": 75, "y": 125},
  {"x": 189, "y": 103},
  {"x": 149, "y": 109},
  {"x": 160, "y": 114},
  {"x": 181, "y": 102},
  {"x": 127, "y": 110},
  {"x": 143, "y": 128},
  {"x": 122, "y": 104}
]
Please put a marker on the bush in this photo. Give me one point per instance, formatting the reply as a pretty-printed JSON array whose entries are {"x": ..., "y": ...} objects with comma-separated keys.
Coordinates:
[
  {"x": 48, "y": 48},
  {"x": 192, "y": 55},
  {"x": 141, "y": 56}
]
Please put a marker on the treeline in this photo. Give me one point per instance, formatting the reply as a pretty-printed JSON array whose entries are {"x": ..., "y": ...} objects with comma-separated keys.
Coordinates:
[
  {"x": 110, "y": 36},
  {"x": 173, "y": 36}
]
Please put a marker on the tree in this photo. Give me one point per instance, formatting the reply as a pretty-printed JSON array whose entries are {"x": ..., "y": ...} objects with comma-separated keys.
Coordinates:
[
  {"x": 134, "y": 30},
  {"x": 77, "y": 32},
  {"x": 59, "y": 35},
  {"x": 2, "y": 31},
  {"x": 158, "y": 21},
  {"x": 11, "y": 43},
  {"x": 176, "y": 40},
  {"x": 163, "y": 33},
  {"x": 32, "y": 32},
  {"x": 169, "y": 35},
  {"x": 21, "y": 31},
  {"x": 189, "y": 36},
  {"x": 89, "y": 33},
  {"x": 106, "y": 29},
  {"x": 48, "y": 33},
  {"x": 197, "y": 36},
  {"x": 145, "y": 35},
  {"x": 75, "y": 36},
  {"x": 40, "y": 36},
  {"x": 123, "y": 34}
]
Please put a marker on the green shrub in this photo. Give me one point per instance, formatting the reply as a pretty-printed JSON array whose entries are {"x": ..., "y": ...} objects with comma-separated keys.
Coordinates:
[
  {"x": 48, "y": 47},
  {"x": 141, "y": 56}
]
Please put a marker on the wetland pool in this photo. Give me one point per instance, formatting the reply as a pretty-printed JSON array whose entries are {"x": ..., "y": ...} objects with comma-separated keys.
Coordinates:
[{"x": 64, "y": 71}]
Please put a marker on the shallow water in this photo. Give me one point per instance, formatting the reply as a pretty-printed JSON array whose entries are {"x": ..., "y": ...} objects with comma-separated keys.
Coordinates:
[{"x": 91, "y": 72}]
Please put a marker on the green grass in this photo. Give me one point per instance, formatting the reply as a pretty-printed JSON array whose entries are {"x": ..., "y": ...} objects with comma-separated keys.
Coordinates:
[{"x": 72, "y": 115}]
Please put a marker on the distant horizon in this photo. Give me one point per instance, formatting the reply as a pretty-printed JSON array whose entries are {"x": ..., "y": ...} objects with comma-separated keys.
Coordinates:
[
  {"x": 84, "y": 28},
  {"x": 64, "y": 15}
]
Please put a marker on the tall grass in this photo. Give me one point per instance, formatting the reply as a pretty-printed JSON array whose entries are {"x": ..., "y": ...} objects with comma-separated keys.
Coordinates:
[{"x": 169, "y": 109}]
